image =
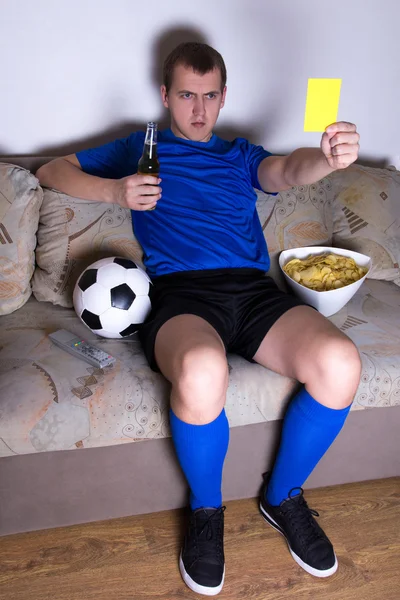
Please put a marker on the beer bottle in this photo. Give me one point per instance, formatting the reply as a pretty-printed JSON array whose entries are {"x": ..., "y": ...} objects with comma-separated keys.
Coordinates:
[{"x": 148, "y": 163}]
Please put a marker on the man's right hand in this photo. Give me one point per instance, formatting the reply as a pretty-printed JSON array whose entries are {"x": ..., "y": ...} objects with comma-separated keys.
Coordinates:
[{"x": 137, "y": 192}]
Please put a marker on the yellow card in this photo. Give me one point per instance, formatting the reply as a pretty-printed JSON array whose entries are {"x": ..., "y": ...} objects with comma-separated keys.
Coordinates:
[{"x": 322, "y": 103}]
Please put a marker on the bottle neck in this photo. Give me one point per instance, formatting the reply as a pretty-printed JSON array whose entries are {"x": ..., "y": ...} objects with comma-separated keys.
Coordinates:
[{"x": 151, "y": 134}]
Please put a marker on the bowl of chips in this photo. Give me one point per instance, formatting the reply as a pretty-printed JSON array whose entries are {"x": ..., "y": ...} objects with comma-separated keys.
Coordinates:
[{"x": 323, "y": 276}]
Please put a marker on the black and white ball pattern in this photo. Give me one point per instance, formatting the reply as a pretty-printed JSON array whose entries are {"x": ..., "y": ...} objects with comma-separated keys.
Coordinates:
[{"x": 112, "y": 297}]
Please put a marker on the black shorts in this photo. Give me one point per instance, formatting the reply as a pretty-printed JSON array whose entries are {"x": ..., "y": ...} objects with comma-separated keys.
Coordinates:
[{"x": 241, "y": 304}]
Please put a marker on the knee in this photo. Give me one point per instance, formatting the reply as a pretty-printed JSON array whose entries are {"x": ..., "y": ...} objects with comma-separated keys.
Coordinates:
[
  {"x": 201, "y": 383},
  {"x": 339, "y": 366},
  {"x": 203, "y": 370}
]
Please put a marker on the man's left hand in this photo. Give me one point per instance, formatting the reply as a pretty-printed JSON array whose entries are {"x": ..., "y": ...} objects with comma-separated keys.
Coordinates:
[{"x": 339, "y": 144}]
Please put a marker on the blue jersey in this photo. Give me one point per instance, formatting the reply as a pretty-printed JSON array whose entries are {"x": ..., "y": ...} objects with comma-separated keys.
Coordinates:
[{"x": 206, "y": 217}]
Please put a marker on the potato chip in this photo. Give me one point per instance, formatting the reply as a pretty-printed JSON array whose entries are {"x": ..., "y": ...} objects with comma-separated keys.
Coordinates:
[{"x": 322, "y": 272}]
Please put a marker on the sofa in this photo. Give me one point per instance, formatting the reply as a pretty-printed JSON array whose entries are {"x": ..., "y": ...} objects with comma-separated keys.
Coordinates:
[{"x": 80, "y": 444}]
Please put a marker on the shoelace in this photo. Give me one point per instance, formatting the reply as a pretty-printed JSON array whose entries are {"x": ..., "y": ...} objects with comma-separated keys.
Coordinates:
[
  {"x": 300, "y": 517},
  {"x": 209, "y": 529}
]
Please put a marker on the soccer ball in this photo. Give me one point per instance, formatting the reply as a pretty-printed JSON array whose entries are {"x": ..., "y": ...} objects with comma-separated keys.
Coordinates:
[{"x": 112, "y": 297}]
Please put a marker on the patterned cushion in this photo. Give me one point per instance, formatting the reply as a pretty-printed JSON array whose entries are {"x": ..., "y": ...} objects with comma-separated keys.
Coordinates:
[
  {"x": 73, "y": 233},
  {"x": 367, "y": 217},
  {"x": 20, "y": 201},
  {"x": 301, "y": 216}
]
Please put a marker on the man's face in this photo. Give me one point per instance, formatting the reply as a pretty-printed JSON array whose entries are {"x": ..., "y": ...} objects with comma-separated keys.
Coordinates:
[{"x": 194, "y": 102}]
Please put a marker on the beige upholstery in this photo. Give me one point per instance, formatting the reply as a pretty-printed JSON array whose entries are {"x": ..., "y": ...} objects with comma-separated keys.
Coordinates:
[{"x": 20, "y": 202}]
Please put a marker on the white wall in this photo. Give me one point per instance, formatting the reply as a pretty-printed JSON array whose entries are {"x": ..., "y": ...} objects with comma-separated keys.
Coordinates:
[{"x": 76, "y": 73}]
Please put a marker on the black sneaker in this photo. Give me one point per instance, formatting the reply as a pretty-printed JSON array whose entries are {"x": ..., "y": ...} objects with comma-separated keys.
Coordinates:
[
  {"x": 308, "y": 544},
  {"x": 202, "y": 562}
]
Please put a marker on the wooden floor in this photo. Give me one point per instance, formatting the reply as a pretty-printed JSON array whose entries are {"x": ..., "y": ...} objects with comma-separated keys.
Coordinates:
[{"x": 137, "y": 557}]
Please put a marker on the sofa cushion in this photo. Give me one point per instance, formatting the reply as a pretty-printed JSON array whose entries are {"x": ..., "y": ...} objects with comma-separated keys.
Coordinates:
[
  {"x": 73, "y": 233},
  {"x": 54, "y": 401},
  {"x": 20, "y": 201},
  {"x": 367, "y": 217},
  {"x": 301, "y": 216}
]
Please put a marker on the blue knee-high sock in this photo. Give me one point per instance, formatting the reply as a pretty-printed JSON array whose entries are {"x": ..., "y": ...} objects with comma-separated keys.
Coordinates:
[
  {"x": 201, "y": 451},
  {"x": 309, "y": 428}
]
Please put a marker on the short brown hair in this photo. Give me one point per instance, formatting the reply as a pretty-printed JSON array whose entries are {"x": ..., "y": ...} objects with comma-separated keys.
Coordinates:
[{"x": 200, "y": 57}]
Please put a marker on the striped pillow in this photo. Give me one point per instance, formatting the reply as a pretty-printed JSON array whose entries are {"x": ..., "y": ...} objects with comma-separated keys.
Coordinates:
[{"x": 367, "y": 217}]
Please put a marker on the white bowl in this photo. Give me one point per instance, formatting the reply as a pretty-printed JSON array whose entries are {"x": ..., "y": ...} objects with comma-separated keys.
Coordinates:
[{"x": 331, "y": 301}]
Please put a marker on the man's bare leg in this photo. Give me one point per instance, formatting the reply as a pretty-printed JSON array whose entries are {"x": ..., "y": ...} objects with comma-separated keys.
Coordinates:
[
  {"x": 306, "y": 346},
  {"x": 191, "y": 355}
]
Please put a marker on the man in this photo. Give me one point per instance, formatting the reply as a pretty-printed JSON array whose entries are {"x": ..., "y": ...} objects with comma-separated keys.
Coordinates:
[{"x": 205, "y": 252}]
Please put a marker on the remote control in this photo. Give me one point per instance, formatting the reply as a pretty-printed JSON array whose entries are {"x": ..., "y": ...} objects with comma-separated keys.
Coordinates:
[{"x": 81, "y": 348}]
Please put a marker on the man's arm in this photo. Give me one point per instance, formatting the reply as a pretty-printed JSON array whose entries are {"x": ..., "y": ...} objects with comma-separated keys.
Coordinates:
[
  {"x": 66, "y": 175},
  {"x": 136, "y": 192},
  {"x": 305, "y": 165},
  {"x": 339, "y": 149}
]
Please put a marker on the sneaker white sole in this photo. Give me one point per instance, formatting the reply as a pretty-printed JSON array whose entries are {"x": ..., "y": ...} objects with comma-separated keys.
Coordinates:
[
  {"x": 196, "y": 587},
  {"x": 301, "y": 563}
]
